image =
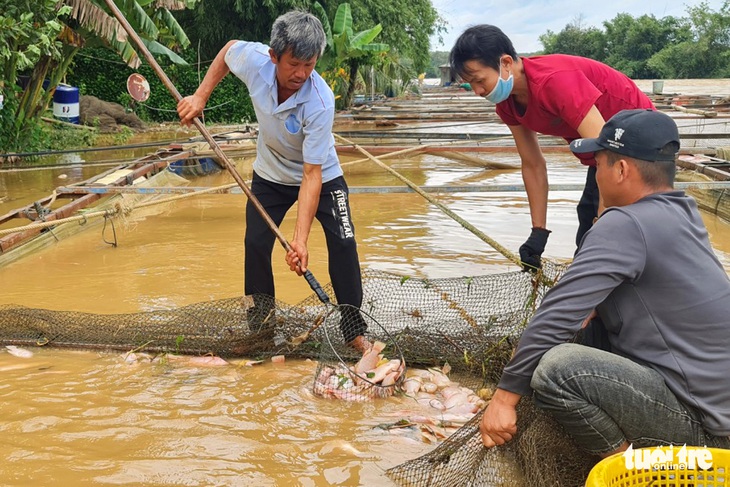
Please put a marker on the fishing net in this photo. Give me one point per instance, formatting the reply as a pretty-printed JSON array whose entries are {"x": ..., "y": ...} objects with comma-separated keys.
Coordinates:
[
  {"x": 541, "y": 454},
  {"x": 470, "y": 323}
]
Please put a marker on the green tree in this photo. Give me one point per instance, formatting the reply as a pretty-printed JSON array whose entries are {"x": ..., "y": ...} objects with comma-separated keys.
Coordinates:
[
  {"x": 577, "y": 40},
  {"x": 631, "y": 42},
  {"x": 212, "y": 23},
  {"x": 438, "y": 58},
  {"x": 28, "y": 39},
  {"x": 101, "y": 73},
  {"x": 407, "y": 26},
  {"x": 703, "y": 48},
  {"x": 74, "y": 24},
  {"x": 346, "y": 51}
]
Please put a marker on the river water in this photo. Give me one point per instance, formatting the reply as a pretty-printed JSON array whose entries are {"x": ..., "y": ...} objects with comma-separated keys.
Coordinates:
[{"x": 92, "y": 418}]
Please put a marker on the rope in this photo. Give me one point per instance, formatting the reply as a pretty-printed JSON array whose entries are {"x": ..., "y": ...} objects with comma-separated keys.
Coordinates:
[
  {"x": 175, "y": 111},
  {"x": 425, "y": 147},
  {"x": 484, "y": 237},
  {"x": 390, "y": 154},
  {"x": 722, "y": 153},
  {"x": 108, "y": 218}
]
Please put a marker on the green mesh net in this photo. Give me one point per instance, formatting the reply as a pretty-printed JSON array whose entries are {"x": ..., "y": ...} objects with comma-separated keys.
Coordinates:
[{"x": 470, "y": 323}]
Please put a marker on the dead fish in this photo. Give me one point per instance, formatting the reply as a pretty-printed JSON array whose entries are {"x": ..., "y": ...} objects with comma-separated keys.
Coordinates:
[
  {"x": 398, "y": 436},
  {"x": 369, "y": 359},
  {"x": 202, "y": 361},
  {"x": 431, "y": 402},
  {"x": 423, "y": 374},
  {"x": 322, "y": 378},
  {"x": 467, "y": 408},
  {"x": 340, "y": 446},
  {"x": 412, "y": 385},
  {"x": 457, "y": 399},
  {"x": 439, "y": 378},
  {"x": 376, "y": 376},
  {"x": 430, "y": 387},
  {"x": 432, "y": 433},
  {"x": 136, "y": 357},
  {"x": 451, "y": 390},
  {"x": 391, "y": 378},
  {"x": 18, "y": 352},
  {"x": 349, "y": 396},
  {"x": 250, "y": 363}
]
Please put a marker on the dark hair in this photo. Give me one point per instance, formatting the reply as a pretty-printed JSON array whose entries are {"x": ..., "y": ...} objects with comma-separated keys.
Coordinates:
[
  {"x": 655, "y": 174},
  {"x": 484, "y": 43}
]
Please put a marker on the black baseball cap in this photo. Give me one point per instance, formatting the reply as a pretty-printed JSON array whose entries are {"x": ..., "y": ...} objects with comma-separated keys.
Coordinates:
[{"x": 641, "y": 134}]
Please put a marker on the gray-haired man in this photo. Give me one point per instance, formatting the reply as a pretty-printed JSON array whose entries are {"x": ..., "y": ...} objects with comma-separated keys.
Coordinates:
[{"x": 296, "y": 159}]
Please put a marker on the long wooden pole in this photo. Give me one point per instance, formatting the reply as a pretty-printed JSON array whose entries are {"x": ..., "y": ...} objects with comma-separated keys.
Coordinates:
[
  {"x": 313, "y": 283},
  {"x": 483, "y": 236}
]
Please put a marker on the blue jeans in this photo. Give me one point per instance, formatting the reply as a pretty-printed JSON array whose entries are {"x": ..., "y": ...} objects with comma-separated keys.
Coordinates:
[{"x": 603, "y": 400}]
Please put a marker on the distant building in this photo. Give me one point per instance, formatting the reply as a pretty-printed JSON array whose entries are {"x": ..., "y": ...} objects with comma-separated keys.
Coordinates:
[{"x": 447, "y": 78}]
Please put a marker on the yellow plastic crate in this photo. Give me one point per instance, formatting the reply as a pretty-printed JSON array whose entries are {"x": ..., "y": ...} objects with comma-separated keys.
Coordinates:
[{"x": 677, "y": 466}]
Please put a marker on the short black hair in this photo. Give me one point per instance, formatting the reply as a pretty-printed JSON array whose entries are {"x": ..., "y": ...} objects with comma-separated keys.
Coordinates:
[
  {"x": 655, "y": 174},
  {"x": 484, "y": 43}
]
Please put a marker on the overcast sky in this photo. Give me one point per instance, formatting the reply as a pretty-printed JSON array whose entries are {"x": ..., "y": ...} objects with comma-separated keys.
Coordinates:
[{"x": 525, "y": 20}]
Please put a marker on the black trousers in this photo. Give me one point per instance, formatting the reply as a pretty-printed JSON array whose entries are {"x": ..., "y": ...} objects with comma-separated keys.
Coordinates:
[
  {"x": 333, "y": 213},
  {"x": 587, "y": 206}
]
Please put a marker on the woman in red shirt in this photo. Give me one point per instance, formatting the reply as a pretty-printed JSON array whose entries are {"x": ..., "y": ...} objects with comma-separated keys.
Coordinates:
[{"x": 556, "y": 94}]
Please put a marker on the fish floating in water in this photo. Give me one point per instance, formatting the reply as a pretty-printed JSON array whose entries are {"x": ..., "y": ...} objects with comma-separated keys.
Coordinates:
[
  {"x": 192, "y": 360},
  {"x": 433, "y": 388},
  {"x": 373, "y": 376},
  {"x": 18, "y": 352},
  {"x": 442, "y": 406}
]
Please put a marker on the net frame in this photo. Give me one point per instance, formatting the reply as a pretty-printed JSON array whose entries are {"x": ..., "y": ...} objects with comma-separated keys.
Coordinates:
[{"x": 335, "y": 357}]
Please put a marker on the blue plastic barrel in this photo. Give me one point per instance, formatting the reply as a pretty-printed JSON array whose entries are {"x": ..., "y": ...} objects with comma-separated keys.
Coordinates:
[{"x": 66, "y": 103}]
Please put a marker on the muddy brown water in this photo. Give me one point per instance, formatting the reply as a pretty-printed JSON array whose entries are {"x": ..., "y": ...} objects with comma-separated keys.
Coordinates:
[{"x": 91, "y": 418}]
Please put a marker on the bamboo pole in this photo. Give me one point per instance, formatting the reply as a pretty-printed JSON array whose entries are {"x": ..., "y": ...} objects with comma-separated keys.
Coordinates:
[
  {"x": 696, "y": 111},
  {"x": 67, "y": 124},
  {"x": 232, "y": 188},
  {"x": 477, "y": 160},
  {"x": 484, "y": 237}
]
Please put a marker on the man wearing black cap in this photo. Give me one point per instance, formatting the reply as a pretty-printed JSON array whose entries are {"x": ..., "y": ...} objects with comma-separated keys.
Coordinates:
[{"x": 648, "y": 269}]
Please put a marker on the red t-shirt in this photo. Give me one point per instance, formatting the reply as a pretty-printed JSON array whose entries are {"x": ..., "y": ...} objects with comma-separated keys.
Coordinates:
[{"x": 562, "y": 89}]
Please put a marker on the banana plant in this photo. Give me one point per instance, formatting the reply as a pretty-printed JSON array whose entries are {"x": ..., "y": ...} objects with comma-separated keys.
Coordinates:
[
  {"x": 346, "y": 52},
  {"x": 151, "y": 19},
  {"x": 58, "y": 29}
]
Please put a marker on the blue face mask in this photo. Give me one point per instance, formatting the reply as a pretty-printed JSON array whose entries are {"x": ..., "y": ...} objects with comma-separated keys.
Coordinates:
[{"x": 502, "y": 89}]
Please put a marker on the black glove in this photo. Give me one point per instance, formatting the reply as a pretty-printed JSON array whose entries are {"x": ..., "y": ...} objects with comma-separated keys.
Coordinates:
[{"x": 532, "y": 249}]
